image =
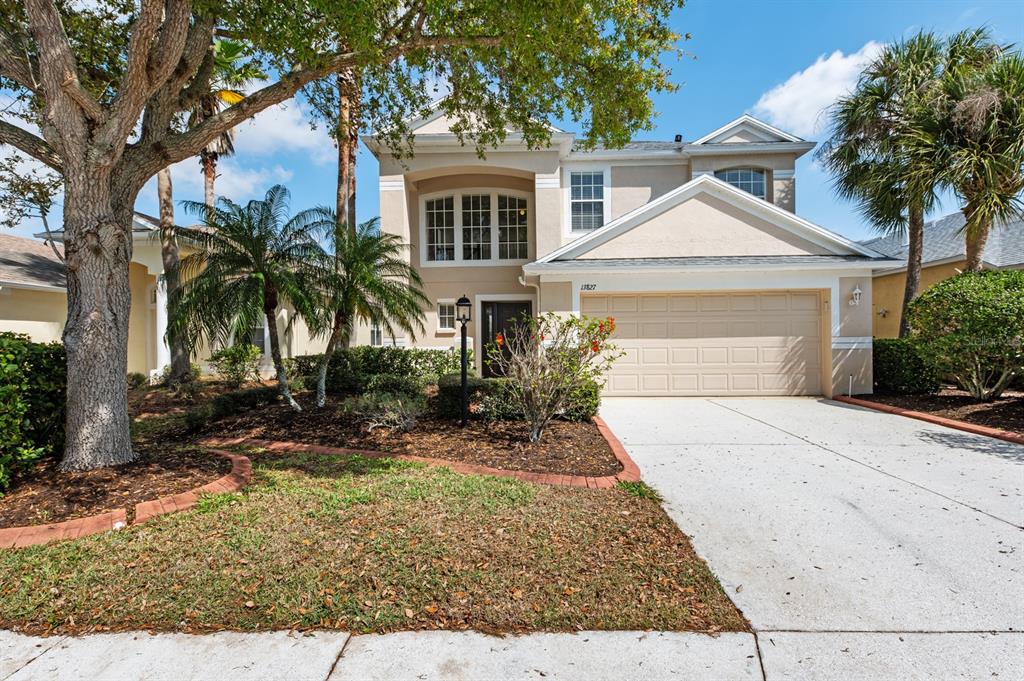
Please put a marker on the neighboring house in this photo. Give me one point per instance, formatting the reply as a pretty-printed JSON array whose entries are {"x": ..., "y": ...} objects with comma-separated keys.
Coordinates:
[
  {"x": 943, "y": 257},
  {"x": 717, "y": 287},
  {"x": 33, "y": 299}
]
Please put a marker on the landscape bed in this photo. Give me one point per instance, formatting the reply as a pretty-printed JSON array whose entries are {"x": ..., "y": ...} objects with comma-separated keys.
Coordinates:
[
  {"x": 375, "y": 545},
  {"x": 1006, "y": 413}
]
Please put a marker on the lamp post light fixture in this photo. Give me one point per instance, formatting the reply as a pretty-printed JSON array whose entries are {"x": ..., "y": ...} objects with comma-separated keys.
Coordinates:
[{"x": 462, "y": 310}]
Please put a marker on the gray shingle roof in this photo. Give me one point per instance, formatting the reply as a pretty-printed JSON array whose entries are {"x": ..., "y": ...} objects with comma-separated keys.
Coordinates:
[
  {"x": 943, "y": 241},
  {"x": 29, "y": 262}
]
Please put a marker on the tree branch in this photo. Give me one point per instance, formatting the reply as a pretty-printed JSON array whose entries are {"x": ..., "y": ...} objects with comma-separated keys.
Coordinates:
[{"x": 34, "y": 146}]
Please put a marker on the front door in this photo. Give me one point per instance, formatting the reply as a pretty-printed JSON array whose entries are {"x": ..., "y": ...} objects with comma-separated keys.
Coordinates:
[{"x": 499, "y": 317}]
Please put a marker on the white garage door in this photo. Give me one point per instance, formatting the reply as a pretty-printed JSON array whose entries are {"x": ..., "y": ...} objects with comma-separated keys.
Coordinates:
[{"x": 734, "y": 343}]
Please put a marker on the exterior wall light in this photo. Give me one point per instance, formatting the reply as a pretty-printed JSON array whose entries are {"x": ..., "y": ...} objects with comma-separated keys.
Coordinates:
[{"x": 855, "y": 298}]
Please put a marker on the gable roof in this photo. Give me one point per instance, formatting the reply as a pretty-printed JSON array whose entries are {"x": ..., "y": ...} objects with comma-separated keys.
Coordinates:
[
  {"x": 944, "y": 242},
  {"x": 711, "y": 185},
  {"x": 29, "y": 263},
  {"x": 746, "y": 122}
]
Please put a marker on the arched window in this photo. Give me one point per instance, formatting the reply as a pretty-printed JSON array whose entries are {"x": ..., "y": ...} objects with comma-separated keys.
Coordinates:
[{"x": 748, "y": 179}]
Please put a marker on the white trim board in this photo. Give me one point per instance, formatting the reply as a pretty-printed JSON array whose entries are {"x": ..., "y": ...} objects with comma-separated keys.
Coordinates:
[{"x": 711, "y": 185}]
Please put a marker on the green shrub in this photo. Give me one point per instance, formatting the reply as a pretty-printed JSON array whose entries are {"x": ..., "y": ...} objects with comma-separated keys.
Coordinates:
[
  {"x": 388, "y": 411},
  {"x": 449, "y": 392},
  {"x": 351, "y": 369},
  {"x": 227, "y": 404},
  {"x": 137, "y": 380},
  {"x": 971, "y": 327},
  {"x": 583, "y": 401},
  {"x": 395, "y": 384},
  {"x": 499, "y": 403},
  {"x": 901, "y": 368},
  {"x": 33, "y": 381},
  {"x": 238, "y": 363}
]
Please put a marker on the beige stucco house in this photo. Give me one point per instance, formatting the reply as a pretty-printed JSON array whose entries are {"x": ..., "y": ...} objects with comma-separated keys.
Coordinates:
[
  {"x": 717, "y": 286},
  {"x": 943, "y": 256},
  {"x": 33, "y": 299}
]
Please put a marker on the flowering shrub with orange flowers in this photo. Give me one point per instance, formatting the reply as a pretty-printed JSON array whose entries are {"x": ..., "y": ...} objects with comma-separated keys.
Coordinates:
[{"x": 547, "y": 358}]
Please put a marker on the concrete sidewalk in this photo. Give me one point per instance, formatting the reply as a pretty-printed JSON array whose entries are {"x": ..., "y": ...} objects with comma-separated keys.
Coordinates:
[{"x": 416, "y": 656}]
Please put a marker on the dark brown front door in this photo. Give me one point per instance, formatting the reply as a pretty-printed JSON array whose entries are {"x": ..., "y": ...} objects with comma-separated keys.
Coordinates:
[{"x": 499, "y": 317}]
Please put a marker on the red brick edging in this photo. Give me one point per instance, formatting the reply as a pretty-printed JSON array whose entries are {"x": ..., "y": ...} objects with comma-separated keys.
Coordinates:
[
  {"x": 30, "y": 535},
  {"x": 629, "y": 473},
  {"x": 938, "y": 420}
]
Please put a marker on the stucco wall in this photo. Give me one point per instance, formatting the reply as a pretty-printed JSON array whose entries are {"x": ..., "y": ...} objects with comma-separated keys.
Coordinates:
[
  {"x": 703, "y": 226},
  {"x": 888, "y": 295}
]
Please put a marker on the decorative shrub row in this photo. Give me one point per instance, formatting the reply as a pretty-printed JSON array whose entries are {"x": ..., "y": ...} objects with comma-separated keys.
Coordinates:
[
  {"x": 351, "y": 369},
  {"x": 33, "y": 380},
  {"x": 900, "y": 368},
  {"x": 228, "y": 404}
]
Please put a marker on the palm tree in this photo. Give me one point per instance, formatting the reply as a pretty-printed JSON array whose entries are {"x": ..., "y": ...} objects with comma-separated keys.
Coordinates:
[
  {"x": 873, "y": 153},
  {"x": 226, "y": 82},
  {"x": 979, "y": 126},
  {"x": 371, "y": 282},
  {"x": 250, "y": 260}
]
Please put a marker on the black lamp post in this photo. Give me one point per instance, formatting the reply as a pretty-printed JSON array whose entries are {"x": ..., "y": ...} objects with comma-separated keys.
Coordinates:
[{"x": 462, "y": 309}]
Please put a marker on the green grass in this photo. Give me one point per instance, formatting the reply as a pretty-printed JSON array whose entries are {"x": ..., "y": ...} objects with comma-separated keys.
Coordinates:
[{"x": 375, "y": 545}]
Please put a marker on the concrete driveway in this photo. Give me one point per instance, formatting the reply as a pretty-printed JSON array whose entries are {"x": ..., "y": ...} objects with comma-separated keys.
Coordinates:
[{"x": 859, "y": 544}]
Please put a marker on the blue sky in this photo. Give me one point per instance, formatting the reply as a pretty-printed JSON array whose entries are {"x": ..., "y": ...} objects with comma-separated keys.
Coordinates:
[{"x": 782, "y": 61}]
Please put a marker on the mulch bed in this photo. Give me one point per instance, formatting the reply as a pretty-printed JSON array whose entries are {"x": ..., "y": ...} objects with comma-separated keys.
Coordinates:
[
  {"x": 566, "y": 448},
  {"x": 1006, "y": 413},
  {"x": 46, "y": 495}
]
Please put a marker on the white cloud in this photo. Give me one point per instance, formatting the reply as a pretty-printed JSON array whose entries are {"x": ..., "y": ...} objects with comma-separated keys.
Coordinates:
[
  {"x": 798, "y": 105},
  {"x": 285, "y": 128}
]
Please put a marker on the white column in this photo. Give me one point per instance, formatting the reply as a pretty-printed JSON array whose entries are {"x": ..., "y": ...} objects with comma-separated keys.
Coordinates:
[{"x": 163, "y": 351}]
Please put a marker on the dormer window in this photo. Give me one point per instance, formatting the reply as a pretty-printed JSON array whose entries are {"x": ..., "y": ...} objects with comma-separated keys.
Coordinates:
[{"x": 750, "y": 180}]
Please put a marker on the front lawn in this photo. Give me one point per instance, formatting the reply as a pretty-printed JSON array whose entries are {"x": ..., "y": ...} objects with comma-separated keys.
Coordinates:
[{"x": 375, "y": 545}]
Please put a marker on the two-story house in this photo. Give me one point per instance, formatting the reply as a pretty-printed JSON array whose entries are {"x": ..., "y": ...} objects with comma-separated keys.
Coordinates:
[{"x": 717, "y": 286}]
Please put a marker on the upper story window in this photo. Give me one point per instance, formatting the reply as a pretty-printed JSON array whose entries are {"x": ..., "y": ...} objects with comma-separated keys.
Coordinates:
[
  {"x": 440, "y": 216},
  {"x": 586, "y": 199},
  {"x": 748, "y": 179},
  {"x": 476, "y": 227},
  {"x": 468, "y": 234}
]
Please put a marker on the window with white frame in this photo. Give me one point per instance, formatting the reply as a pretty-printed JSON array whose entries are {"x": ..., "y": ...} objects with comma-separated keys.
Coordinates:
[
  {"x": 446, "y": 316},
  {"x": 586, "y": 199},
  {"x": 440, "y": 217},
  {"x": 750, "y": 180},
  {"x": 476, "y": 227},
  {"x": 513, "y": 217},
  {"x": 376, "y": 335}
]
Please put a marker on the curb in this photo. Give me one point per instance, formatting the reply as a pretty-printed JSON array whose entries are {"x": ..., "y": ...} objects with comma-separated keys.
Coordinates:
[
  {"x": 937, "y": 420},
  {"x": 630, "y": 471},
  {"x": 32, "y": 535}
]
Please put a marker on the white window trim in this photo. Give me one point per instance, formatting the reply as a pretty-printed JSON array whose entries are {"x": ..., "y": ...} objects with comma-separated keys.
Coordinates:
[
  {"x": 457, "y": 195},
  {"x": 444, "y": 330},
  {"x": 567, "y": 171}
]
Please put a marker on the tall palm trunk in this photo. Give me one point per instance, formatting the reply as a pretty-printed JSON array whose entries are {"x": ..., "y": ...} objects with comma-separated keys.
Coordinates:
[
  {"x": 915, "y": 247},
  {"x": 349, "y": 99},
  {"x": 270, "y": 303},
  {"x": 179, "y": 372},
  {"x": 208, "y": 159}
]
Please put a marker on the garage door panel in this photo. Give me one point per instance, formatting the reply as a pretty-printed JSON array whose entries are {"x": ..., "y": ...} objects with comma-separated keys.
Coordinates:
[{"x": 742, "y": 343}]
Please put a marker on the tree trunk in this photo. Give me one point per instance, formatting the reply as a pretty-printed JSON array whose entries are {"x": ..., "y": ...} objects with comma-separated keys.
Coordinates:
[
  {"x": 180, "y": 371},
  {"x": 915, "y": 246},
  {"x": 270, "y": 310},
  {"x": 976, "y": 236},
  {"x": 208, "y": 160},
  {"x": 98, "y": 248}
]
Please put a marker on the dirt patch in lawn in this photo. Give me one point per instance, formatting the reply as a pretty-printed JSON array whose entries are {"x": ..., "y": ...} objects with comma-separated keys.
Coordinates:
[
  {"x": 566, "y": 448},
  {"x": 321, "y": 542},
  {"x": 45, "y": 495},
  {"x": 1006, "y": 413}
]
